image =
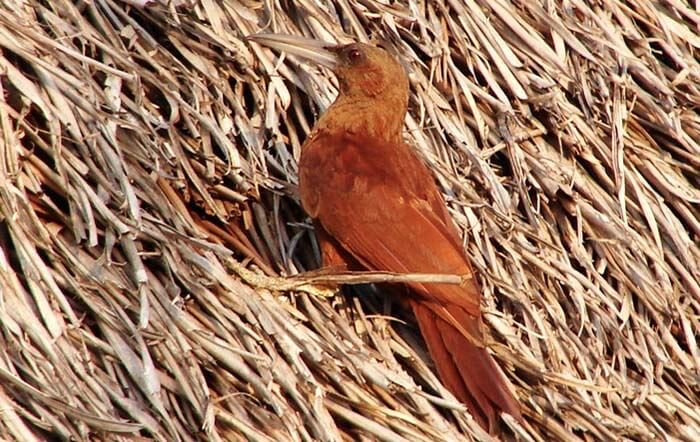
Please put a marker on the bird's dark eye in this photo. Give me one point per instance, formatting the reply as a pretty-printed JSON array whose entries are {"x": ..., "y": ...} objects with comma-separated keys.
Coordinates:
[{"x": 354, "y": 55}]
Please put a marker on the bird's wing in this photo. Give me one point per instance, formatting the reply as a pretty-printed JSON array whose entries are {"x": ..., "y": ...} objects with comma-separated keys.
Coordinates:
[{"x": 381, "y": 204}]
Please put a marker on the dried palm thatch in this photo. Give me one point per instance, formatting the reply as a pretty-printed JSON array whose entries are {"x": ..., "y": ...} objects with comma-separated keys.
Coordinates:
[{"x": 147, "y": 208}]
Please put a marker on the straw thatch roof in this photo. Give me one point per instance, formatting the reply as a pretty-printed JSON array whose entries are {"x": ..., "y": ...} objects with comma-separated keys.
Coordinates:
[{"x": 147, "y": 209}]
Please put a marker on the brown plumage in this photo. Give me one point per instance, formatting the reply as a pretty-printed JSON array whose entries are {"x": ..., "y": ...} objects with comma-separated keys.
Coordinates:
[{"x": 376, "y": 204}]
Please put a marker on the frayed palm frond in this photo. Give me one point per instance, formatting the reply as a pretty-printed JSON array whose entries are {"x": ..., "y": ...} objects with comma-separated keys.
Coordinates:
[{"x": 149, "y": 224}]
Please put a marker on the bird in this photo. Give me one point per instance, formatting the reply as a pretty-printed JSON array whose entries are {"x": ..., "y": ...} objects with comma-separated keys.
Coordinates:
[{"x": 376, "y": 206}]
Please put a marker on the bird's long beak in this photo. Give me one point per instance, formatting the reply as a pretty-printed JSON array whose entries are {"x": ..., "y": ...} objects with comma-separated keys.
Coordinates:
[{"x": 313, "y": 50}]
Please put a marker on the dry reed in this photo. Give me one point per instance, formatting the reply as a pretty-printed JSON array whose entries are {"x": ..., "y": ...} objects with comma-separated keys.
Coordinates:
[{"x": 147, "y": 211}]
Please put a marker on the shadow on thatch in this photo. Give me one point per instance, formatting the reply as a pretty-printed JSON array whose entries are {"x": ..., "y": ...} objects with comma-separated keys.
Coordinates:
[{"x": 147, "y": 203}]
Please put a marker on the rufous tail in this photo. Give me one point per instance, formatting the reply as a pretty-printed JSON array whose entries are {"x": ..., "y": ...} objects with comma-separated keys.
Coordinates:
[{"x": 466, "y": 369}]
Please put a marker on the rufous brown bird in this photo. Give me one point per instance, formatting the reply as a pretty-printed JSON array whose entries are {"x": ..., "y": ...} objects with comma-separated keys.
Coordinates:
[{"x": 376, "y": 206}]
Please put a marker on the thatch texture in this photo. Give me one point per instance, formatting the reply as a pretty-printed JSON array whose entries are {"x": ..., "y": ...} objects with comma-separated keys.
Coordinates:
[{"x": 147, "y": 209}]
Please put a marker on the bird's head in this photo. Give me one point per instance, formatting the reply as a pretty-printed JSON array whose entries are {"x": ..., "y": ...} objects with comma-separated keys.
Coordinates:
[{"x": 364, "y": 71}]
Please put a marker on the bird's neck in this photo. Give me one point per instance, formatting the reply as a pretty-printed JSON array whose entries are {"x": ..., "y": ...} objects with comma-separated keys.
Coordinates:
[{"x": 378, "y": 119}]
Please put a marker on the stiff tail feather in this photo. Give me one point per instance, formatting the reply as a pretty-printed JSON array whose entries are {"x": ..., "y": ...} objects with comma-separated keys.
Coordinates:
[{"x": 467, "y": 370}]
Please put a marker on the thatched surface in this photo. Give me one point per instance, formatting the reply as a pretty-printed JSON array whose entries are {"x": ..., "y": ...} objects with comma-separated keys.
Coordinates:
[{"x": 147, "y": 186}]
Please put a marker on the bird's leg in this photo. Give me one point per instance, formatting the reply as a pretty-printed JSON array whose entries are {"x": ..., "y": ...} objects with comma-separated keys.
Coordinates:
[
  {"x": 334, "y": 260},
  {"x": 333, "y": 257}
]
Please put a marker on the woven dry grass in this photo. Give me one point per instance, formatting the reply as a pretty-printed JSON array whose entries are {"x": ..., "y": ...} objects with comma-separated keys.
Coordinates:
[{"x": 147, "y": 210}]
